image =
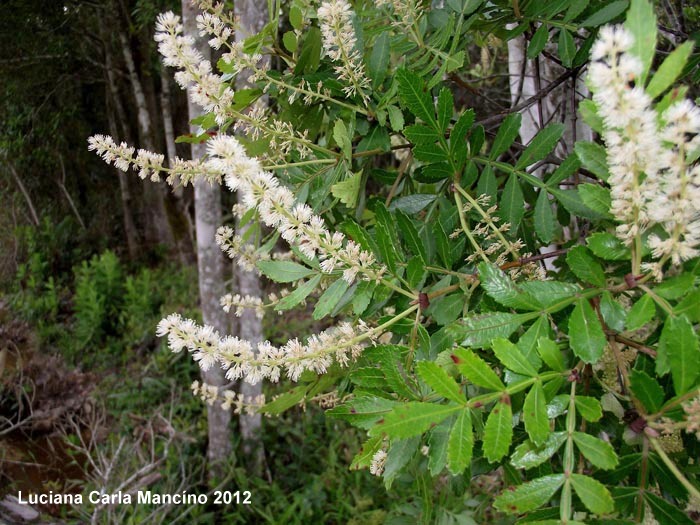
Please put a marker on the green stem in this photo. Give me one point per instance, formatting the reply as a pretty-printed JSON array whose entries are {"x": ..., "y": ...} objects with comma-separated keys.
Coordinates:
[{"x": 692, "y": 490}]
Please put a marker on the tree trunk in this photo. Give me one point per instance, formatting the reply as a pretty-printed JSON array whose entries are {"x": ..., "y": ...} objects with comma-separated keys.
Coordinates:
[
  {"x": 130, "y": 232},
  {"x": 252, "y": 16},
  {"x": 527, "y": 78},
  {"x": 208, "y": 217},
  {"x": 158, "y": 228},
  {"x": 185, "y": 239}
]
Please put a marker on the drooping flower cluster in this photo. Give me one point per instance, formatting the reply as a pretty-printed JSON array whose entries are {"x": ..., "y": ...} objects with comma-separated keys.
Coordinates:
[
  {"x": 210, "y": 394},
  {"x": 339, "y": 44},
  {"x": 650, "y": 179},
  {"x": 207, "y": 89},
  {"x": 340, "y": 343}
]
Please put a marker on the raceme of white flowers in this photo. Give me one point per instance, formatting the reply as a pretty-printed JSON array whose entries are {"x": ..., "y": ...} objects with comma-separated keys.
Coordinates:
[
  {"x": 340, "y": 45},
  {"x": 650, "y": 179},
  {"x": 342, "y": 343}
]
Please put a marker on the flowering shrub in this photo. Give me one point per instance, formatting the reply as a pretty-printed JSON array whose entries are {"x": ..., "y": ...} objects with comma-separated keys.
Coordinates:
[{"x": 573, "y": 385}]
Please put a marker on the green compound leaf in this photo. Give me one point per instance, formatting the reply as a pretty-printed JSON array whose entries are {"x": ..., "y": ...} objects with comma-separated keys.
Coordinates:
[
  {"x": 527, "y": 455},
  {"x": 476, "y": 370},
  {"x": 412, "y": 419},
  {"x": 512, "y": 358},
  {"x": 597, "y": 451},
  {"x": 498, "y": 432},
  {"x": 586, "y": 336},
  {"x": 535, "y": 414},
  {"x": 460, "y": 444},
  {"x": 530, "y": 495},
  {"x": 592, "y": 493},
  {"x": 284, "y": 271},
  {"x": 439, "y": 380},
  {"x": 584, "y": 266}
]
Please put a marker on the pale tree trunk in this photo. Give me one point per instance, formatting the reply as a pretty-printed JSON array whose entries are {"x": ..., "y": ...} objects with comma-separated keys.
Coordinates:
[
  {"x": 159, "y": 226},
  {"x": 130, "y": 232},
  {"x": 185, "y": 239},
  {"x": 208, "y": 217},
  {"x": 252, "y": 16},
  {"x": 527, "y": 78}
]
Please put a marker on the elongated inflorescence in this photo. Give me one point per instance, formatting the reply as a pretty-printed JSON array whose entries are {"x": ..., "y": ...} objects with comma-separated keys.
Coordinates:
[{"x": 650, "y": 179}]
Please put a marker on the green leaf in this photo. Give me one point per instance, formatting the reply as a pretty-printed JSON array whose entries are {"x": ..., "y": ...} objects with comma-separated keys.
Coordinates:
[
  {"x": 589, "y": 408},
  {"x": 400, "y": 453},
  {"x": 512, "y": 203},
  {"x": 296, "y": 18},
  {"x": 501, "y": 288},
  {"x": 460, "y": 444},
  {"x": 348, "y": 190},
  {"x": 594, "y": 158},
  {"x": 529, "y": 496},
  {"x": 527, "y": 343},
  {"x": 289, "y": 39},
  {"x": 414, "y": 97},
  {"x": 669, "y": 70},
  {"x": 550, "y": 354},
  {"x": 512, "y": 358},
  {"x": 299, "y": 294},
  {"x": 458, "y": 136},
  {"x": 429, "y": 153},
  {"x": 362, "y": 411},
  {"x": 284, "y": 271},
  {"x": 592, "y": 493},
  {"x": 550, "y": 293},
  {"x": 538, "y": 41},
  {"x": 567, "y": 47},
  {"x": 379, "y": 59},
  {"x": 585, "y": 267},
  {"x": 364, "y": 457},
  {"x": 411, "y": 236},
  {"x": 476, "y": 370},
  {"x": 545, "y": 223},
  {"x": 612, "y": 312},
  {"x": 641, "y": 313},
  {"x": 535, "y": 414},
  {"x": 479, "y": 330},
  {"x": 310, "y": 55},
  {"x": 586, "y": 336},
  {"x": 647, "y": 390},
  {"x": 368, "y": 376},
  {"x": 608, "y": 247},
  {"x": 641, "y": 22},
  {"x": 572, "y": 202},
  {"x": 395, "y": 118},
  {"x": 498, "y": 432},
  {"x": 447, "y": 308},
  {"x": 342, "y": 138},
  {"x": 445, "y": 108},
  {"x": 507, "y": 133},
  {"x": 596, "y": 198},
  {"x": 437, "y": 443},
  {"x": 439, "y": 380},
  {"x": 664, "y": 512},
  {"x": 589, "y": 112},
  {"x": 678, "y": 345},
  {"x": 673, "y": 288},
  {"x": 598, "y": 452},
  {"x": 412, "y": 419},
  {"x": 387, "y": 239},
  {"x": 330, "y": 298},
  {"x": 527, "y": 455},
  {"x": 541, "y": 145},
  {"x": 412, "y": 204},
  {"x": 565, "y": 170},
  {"x": 606, "y": 14},
  {"x": 420, "y": 134}
]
